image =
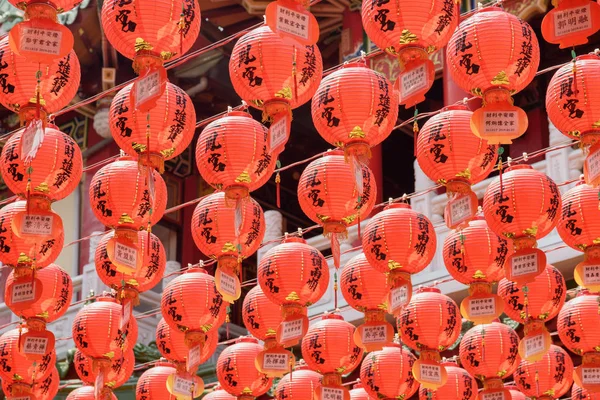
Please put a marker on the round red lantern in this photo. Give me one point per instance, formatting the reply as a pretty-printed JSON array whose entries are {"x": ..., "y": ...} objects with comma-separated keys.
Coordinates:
[
  {"x": 411, "y": 31},
  {"x": 358, "y": 392},
  {"x": 302, "y": 384},
  {"x": 41, "y": 389},
  {"x": 418, "y": 333},
  {"x": 387, "y": 373},
  {"x": 524, "y": 206},
  {"x": 559, "y": 27},
  {"x": 547, "y": 378},
  {"x": 117, "y": 374},
  {"x": 475, "y": 256},
  {"x": 459, "y": 386},
  {"x": 385, "y": 245},
  {"x": 237, "y": 372},
  {"x": 156, "y": 136},
  {"x": 172, "y": 345},
  {"x": 153, "y": 382},
  {"x": 88, "y": 393},
  {"x": 234, "y": 154},
  {"x": 355, "y": 108},
  {"x": 511, "y": 53},
  {"x": 532, "y": 305},
  {"x": 365, "y": 289},
  {"x": 217, "y": 394},
  {"x": 579, "y": 393},
  {"x": 293, "y": 288},
  {"x": 449, "y": 153},
  {"x": 228, "y": 231},
  {"x": 192, "y": 304},
  {"x": 14, "y": 365},
  {"x": 329, "y": 349}
]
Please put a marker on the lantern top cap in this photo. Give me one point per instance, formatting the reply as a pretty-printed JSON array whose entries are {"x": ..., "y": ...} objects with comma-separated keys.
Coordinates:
[
  {"x": 456, "y": 107},
  {"x": 333, "y": 315},
  {"x": 490, "y": 8},
  {"x": 429, "y": 289},
  {"x": 246, "y": 339},
  {"x": 294, "y": 238},
  {"x": 398, "y": 205},
  {"x": 518, "y": 166}
]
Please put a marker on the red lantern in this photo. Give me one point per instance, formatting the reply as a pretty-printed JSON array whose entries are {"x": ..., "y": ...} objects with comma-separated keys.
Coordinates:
[
  {"x": 548, "y": 378},
  {"x": 524, "y": 206},
  {"x": 172, "y": 345},
  {"x": 153, "y": 382},
  {"x": 450, "y": 154},
  {"x": 41, "y": 389},
  {"x": 355, "y": 108},
  {"x": 293, "y": 288},
  {"x": 234, "y": 154},
  {"x": 335, "y": 195},
  {"x": 418, "y": 333},
  {"x": 217, "y": 394},
  {"x": 559, "y": 28},
  {"x": 460, "y": 386},
  {"x": 532, "y": 305},
  {"x": 365, "y": 289},
  {"x": 155, "y": 136},
  {"x": 237, "y": 372},
  {"x": 385, "y": 246},
  {"x": 411, "y": 31},
  {"x": 88, "y": 393},
  {"x": 14, "y": 364},
  {"x": 387, "y": 373},
  {"x": 121, "y": 368},
  {"x": 358, "y": 392},
  {"x": 228, "y": 233},
  {"x": 475, "y": 256},
  {"x": 579, "y": 393},
  {"x": 302, "y": 384},
  {"x": 329, "y": 349},
  {"x": 494, "y": 54}
]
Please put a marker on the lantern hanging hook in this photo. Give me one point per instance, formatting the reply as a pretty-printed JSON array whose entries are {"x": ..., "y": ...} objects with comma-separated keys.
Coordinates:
[
  {"x": 508, "y": 161},
  {"x": 525, "y": 156}
]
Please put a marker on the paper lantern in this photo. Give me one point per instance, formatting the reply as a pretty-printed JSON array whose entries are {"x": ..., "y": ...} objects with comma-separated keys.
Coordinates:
[
  {"x": 579, "y": 393},
  {"x": 228, "y": 231},
  {"x": 237, "y": 372},
  {"x": 475, "y": 256},
  {"x": 385, "y": 245},
  {"x": 411, "y": 31},
  {"x": 418, "y": 333},
  {"x": 524, "y": 207},
  {"x": 358, "y": 392},
  {"x": 532, "y": 305},
  {"x": 153, "y": 382},
  {"x": 387, "y": 373},
  {"x": 329, "y": 349},
  {"x": 42, "y": 389},
  {"x": 336, "y": 195},
  {"x": 156, "y": 136},
  {"x": 460, "y": 386},
  {"x": 88, "y": 393},
  {"x": 512, "y": 56},
  {"x": 293, "y": 288},
  {"x": 218, "y": 394},
  {"x": 548, "y": 378},
  {"x": 172, "y": 345},
  {"x": 234, "y": 154},
  {"x": 449, "y": 153},
  {"x": 365, "y": 289},
  {"x": 121, "y": 368},
  {"x": 571, "y": 22},
  {"x": 14, "y": 364},
  {"x": 355, "y": 108},
  {"x": 302, "y": 384},
  {"x": 274, "y": 73}
]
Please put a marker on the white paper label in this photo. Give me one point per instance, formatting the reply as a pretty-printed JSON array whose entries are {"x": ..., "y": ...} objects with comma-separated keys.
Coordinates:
[
  {"x": 413, "y": 81},
  {"x": 590, "y": 376},
  {"x": 147, "y": 87},
  {"x": 278, "y": 133},
  {"x": 34, "y": 224},
  {"x": 328, "y": 393},
  {"x": 591, "y": 274},
  {"x": 572, "y": 20},
  {"x": 430, "y": 373},
  {"x": 38, "y": 40},
  {"x": 482, "y": 307},
  {"x": 279, "y": 362},
  {"x": 492, "y": 396},
  {"x": 498, "y": 122},
  {"x": 182, "y": 385},
  {"x": 292, "y": 22},
  {"x": 23, "y": 292},
  {"x": 35, "y": 345},
  {"x": 460, "y": 209},
  {"x": 523, "y": 265},
  {"x": 399, "y": 297},
  {"x": 194, "y": 356},
  {"x": 374, "y": 334},
  {"x": 227, "y": 283},
  {"x": 534, "y": 345},
  {"x": 126, "y": 314},
  {"x": 291, "y": 329},
  {"x": 31, "y": 140},
  {"x": 125, "y": 255},
  {"x": 592, "y": 162}
]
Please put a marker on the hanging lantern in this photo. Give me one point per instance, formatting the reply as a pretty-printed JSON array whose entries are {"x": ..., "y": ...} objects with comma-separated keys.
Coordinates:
[
  {"x": 262, "y": 318},
  {"x": 365, "y": 289},
  {"x": 42, "y": 389},
  {"x": 532, "y": 305},
  {"x": 571, "y": 22},
  {"x": 88, "y": 393},
  {"x": 153, "y": 382},
  {"x": 228, "y": 232},
  {"x": 577, "y": 327},
  {"x": 490, "y": 353},
  {"x": 459, "y": 386},
  {"x": 302, "y": 384},
  {"x": 387, "y": 373},
  {"x": 571, "y": 101},
  {"x": 121, "y": 368},
  {"x": 522, "y": 206},
  {"x": 418, "y": 333},
  {"x": 329, "y": 349},
  {"x": 355, "y": 108},
  {"x": 336, "y": 196},
  {"x": 385, "y": 246},
  {"x": 15, "y": 368},
  {"x": 293, "y": 288},
  {"x": 234, "y": 154},
  {"x": 475, "y": 256},
  {"x": 217, "y": 394},
  {"x": 358, "y": 392},
  {"x": 579, "y": 393},
  {"x": 493, "y": 55},
  {"x": 411, "y": 31},
  {"x": 237, "y": 372},
  {"x": 548, "y": 378},
  {"x": 449, "y": 154}
]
